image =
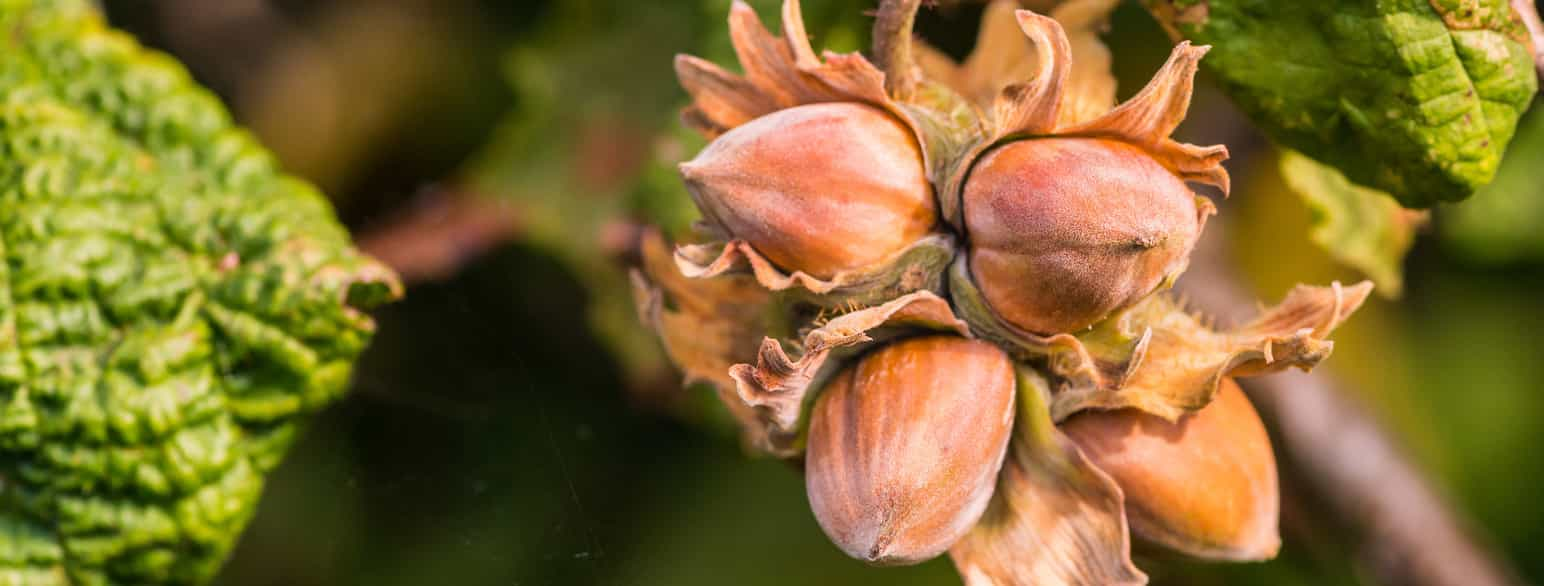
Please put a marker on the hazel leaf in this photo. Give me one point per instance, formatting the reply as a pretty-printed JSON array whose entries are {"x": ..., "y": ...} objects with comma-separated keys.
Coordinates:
[
  {"x": 172, "y": 307},
  {"x": 1414, "y": 97},
  {"x": 1501, "y": 224},
  {"x": 1359, "y": 226}
]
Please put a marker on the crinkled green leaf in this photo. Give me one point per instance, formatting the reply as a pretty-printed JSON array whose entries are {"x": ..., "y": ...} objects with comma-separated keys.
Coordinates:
[
  {"x": 1358, "y": 226},
  {"x": 171, "y": 306},
  {"x": 1412, "y": 97},
  {"x": 1501, "y": 224}
]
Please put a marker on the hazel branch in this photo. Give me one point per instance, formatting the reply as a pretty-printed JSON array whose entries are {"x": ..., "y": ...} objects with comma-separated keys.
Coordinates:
[
  {"x": 441, "y": 231},
  {"x": 892, "y": 45},
  {"x": 1409, "y": 533}
]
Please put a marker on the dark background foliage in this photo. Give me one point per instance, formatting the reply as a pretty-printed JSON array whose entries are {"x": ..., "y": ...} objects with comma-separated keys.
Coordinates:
[{"x": 492, "y": 438}]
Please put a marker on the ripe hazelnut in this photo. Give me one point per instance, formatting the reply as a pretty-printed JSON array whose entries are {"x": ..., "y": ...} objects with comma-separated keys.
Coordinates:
[
  {"x": 1204, "y": 485},
  {"x": 1065, "y": 231},
  {"x": 819, "y": 188},
  {"x": 904, "y": 447}
]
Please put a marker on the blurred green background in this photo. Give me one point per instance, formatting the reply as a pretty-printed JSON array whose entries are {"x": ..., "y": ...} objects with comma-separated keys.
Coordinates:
[{"x": 512, "y": 425}]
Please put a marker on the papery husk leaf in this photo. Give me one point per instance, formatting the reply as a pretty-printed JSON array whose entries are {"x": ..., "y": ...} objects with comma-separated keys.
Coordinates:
[
  {"x": 918, "y": 267},
  {"x": 1003, "y": 57},
  {"x": 1180, "y": 360},
  {"x": 780, "y": 72},
  {"x": 1090, "y": 85},
  {"x": 1031, "y": 108},
  {"x": 1055, "y": 519},
  {"x": 1146, "y": 120},
  {"x": 721, "y": 100},
  {"x": 708, "y": 325},
  {"x": 1156, "y": 356},
  {"x": 777, "y": 384}
]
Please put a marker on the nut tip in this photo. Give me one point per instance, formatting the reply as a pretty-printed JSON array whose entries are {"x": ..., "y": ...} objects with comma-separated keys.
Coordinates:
[{"x": 690, "y": 170}]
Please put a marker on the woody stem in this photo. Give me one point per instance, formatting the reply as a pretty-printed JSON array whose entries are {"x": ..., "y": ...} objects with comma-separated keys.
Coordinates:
[
  {"x": 892, "y": 45},
  {"x": 1409, "y": 533}
]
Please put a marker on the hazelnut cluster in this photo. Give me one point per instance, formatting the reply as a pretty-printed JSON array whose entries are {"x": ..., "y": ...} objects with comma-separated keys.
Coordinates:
[{"x": 947, "y": 299}]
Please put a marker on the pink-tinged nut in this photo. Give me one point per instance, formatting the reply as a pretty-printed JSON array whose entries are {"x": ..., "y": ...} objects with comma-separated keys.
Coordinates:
[
  {"x": 820, "y": 188},
  {"x": 1066, "y": 231},
  {"x": 1204, "y": 485},
  {"x": 904, "y": 448}
]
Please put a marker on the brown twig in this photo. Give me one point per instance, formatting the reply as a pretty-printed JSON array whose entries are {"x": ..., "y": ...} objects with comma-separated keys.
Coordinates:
[
  {"x": 892, "y": 45},
  {"x": 441, "y": 231},
  {"x": 1410, "y": 535}
]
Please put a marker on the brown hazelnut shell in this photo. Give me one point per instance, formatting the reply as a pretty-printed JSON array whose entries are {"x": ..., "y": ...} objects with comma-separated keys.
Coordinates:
[
  {"x": 1204, "y": 485},
  {"x": 905, "y": 446},
  {"x": 1065, "y": 231},
  {"x": 821, "y": 189}
]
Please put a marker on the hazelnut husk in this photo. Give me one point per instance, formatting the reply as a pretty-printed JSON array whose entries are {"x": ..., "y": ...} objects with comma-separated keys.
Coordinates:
[
  {"x": 1066, "y": 231},
  {"x": 904, "y": 447},
  {"x": 820, "y": 188},
  {"x": 1204, "y": 485},
  {"x": 897, "y": 317}
]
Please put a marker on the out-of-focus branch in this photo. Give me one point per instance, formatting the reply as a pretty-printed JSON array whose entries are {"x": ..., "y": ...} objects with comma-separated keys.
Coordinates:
[
  {"x": 1409, "y": 534},
  {"x": 442, "y": 230},
  {"x": 1528, "y": 12}
]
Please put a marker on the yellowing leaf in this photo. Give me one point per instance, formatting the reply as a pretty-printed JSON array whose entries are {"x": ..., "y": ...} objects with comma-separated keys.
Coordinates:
[{"x": 1359, "y": 226}]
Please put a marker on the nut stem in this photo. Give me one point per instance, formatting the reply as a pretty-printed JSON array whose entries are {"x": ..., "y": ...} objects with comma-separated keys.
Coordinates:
[{"x": 892, "y": 46}]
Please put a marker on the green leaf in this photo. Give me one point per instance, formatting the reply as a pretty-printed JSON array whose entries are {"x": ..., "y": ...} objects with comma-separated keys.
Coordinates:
[
  {"x": 171, "y": 307},
  {"x": 1412, "y": 97},
  {"x": 1360, "y": 227},
  {"x": 1502, "y": 223}
]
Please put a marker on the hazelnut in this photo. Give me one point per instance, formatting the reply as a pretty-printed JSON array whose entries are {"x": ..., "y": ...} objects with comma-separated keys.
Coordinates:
[
  {"x": 904, "y": 447},
  {"x": 1065, "y": 231},
  {"x": 819, "y": 188},
  {"x": 1204, "y": 485}
]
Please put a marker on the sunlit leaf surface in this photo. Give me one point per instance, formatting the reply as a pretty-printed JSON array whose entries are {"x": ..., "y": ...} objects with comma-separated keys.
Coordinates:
[
  {"x": 1412, "y": 97},
  {"x": 171, "y": 306}
]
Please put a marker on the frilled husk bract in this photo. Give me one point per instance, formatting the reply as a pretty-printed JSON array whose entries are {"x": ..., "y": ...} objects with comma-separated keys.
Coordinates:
[{"x": 781, "y": 344}]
